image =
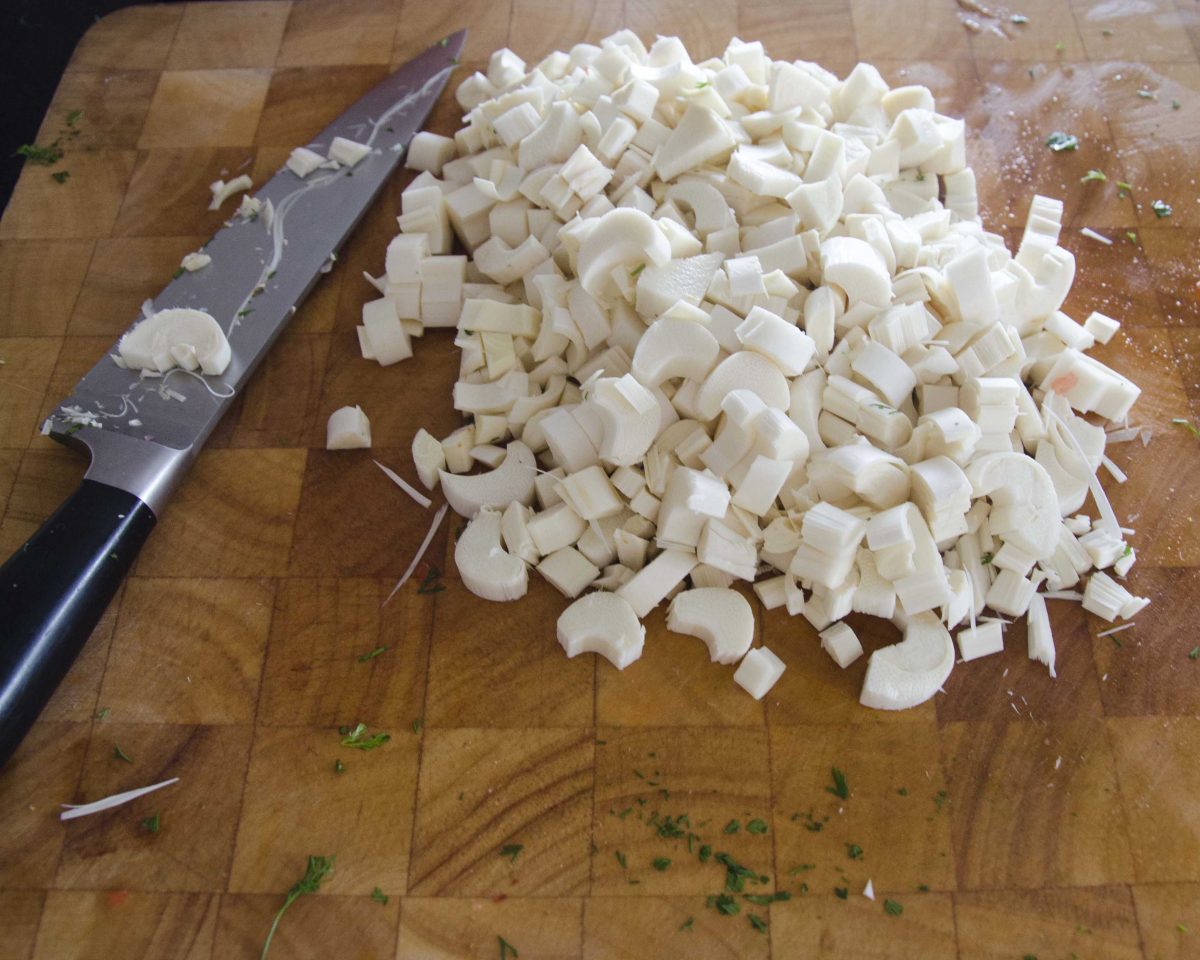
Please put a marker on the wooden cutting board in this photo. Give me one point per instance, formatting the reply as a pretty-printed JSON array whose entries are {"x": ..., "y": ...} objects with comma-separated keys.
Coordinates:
[{"x": 1015, "y": 816}]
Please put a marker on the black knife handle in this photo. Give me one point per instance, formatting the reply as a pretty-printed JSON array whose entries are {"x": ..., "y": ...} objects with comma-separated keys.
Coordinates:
[{"x": 53, "y": 592}]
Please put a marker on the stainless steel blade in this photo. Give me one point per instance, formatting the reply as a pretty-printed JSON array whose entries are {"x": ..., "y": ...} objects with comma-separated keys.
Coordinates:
[{"x": 144, "y": 432}]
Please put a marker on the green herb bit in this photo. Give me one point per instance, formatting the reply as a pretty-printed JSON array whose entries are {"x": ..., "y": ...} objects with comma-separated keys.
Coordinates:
[
  {"x": 687, "y": 924},
  {"x": 1187, "y": 425},
  {"x": 1161, "y": 209},
  {"x": 854, "y": 851},
  {"x": 356, "y": 740},
  {"x": 152, "y": 824},
  {"x": 1031, "y": 73},
  {"x": 318, "y": 869},
  {"x": 1116, "y": 640},
  {"x": 922, "y": 888},
  {"x": 1132, "y": 237},
  {"x": 725, "y": 904},
  {"x": 842, "y": 893},
  {"x": 455, "y": 61},
  {"x": 903, "y": 791},
  {"x": 796, "y": 871},
  {"x": 1059, "y": 141},
  {"x": 1060, "y": 46},
  {"x": 417, "y": 724},
  {"x": 757, "y": 922},
  {"x": 103, "y": 712},
  {"x": 339, "y": 767},
  {"x": 1175, "y": 105},
  {"x": 506, "y": 949},
  {"x": 61, "y": 177},
  {"x": 839, "y": 788},
  {"x": 74, "y": 117},
  {"x": 621, "y": 859},
  {"x": 1106, "y": 32},
  {"x": 892, "y": 908},
  {"x": 429, "y": 582},
  {"x": 120, "y": 754},
  {"x": 179, "y": 272},
  {"x": 1194, "y": 653},
  {"x": 756, "y": 826},
  {"x": 445, "y": 41},
  {"x": 732, "y": 827},
  {"x": 1181, "y": 928},
  {"x": 1147, "y": 95},
  {"x": 804, "y": 888},
  {"x": 705, "y": 853},
  {"x": 364, "y": 657},
  {"x": 940, "y": 798},
  {"x": 511, "y": 851},
  {"x": 1029, "y": 956},
  {"x": 40, "y": 156},
  {"x": 1019, "y": 19},
  {"x": 986, "y": 559},
  {"x": 702, "y": 84},
  {"x": 379, "y": 896},
  {"x": 661, "y": 863},
  {"x": 636, "y": 271},
  {"x": 1093, "y": 175}
]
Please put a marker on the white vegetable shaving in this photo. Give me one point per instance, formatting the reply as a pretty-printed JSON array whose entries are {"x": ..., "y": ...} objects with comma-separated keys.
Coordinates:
[
  {"x": 74, "y": 810},
  {"x": 1093, "y": 235},
  {"x": 404, "y": 485},
  {"x": 1117, "y": 629},
  {"x": 433, "y": 527}
]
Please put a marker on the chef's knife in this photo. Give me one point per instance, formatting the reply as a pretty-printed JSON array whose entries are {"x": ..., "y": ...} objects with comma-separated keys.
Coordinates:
[{"x": 143, "y": 434}]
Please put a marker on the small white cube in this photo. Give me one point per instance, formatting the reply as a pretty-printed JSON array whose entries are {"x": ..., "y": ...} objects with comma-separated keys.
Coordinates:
[
  {"x": 568, "y": 570},
  {"x": 303, "y": 161},
  {"x": 347, "y": 152},
  {"x": 980, "y": 640},
  {"x": 348, "y": 429},
  {"x": 429, "y": 151},
  {"x": 841, "y": 643},
  {"x": 1101, "y": 327},
  {"x": 758, "y": 671}
]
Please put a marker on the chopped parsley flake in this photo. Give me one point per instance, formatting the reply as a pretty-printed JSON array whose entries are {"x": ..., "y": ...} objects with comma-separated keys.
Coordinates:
[
  {"x": 839, "y": 788},
  {"x": 940, "y": 798},
  {"x": 1161, "y": 209},
  {"x": 636, "y": 271},
  {"x": 418, "y": 723},
  {"x": 445, "y": 41},
  {"x": 842, "y": 893},
  {"x": 725, "y": 904},
  {"x": 371, "y": 655},
  {"x": 1059, "y": 141},
  {"x": 152, "y": 824},
  {"x": 104, "y": 712},
  {"x": 854, "y": 851},
  {"x": 318, "y": 869},
  {"x": 757, "y": 922},
  {"x": 687, "y": 924},
  {"x": 1175, "y": 104},
  {"x": 1194, "y": 653},
  {"x": 1060, "y": 46},
  {"x": 1104, "y": 33},
  {"x": 922, "y": 888},
  {"x": 339, "y": 767},
  {"x": 429, "y": 583},
  {"x": 1093, "y": 175},
  {"x": 61, "y": 176},
  {"x": 621, "y": 859},
  {"x": 1187, "y": 425},
  {"x": 795, "y": 871},
  {"x": 506, "y": 949},
  {"x": 733, "y": 826},
  {"x": 356, "y": 740},
  {"x": 705, "y": 853},
  {"x": 120, "y": 754},
  {"x": 40, "y": 156},
  {"x": 892, "y": 908},
  {"x": 756, "y": 826},
  {"x": 1131, "y": 236},
  {"x": 379, "y": 896},
  {"x": 511, "y": 851},
  {"x": 661, "y": 863}
]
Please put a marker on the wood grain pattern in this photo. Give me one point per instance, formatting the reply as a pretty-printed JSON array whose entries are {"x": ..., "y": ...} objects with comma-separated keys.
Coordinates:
[{"x": 1016, "y": 815}]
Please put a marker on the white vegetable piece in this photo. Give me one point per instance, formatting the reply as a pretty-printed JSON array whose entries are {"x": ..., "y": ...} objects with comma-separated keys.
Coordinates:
[
  {"x": 486, "y": 569},
  {"x": 177, "y": 336},
  {"x": 841, "y": 643},
  {"x": 197, "y": 260},
  {"x": 429, "y": 151},
  {"x": 758, "y": 672},
  {"x": 347, "y": 152},
  {"x": 348, "y": 429},
  {"x": 910, "y": 672},
  {"x": 222, "y": 191},
  {"x": 721, "y": 617},
  {"x": 980, "y": 640},
  {"x": 512, "y": 480},
  {"x": 602, "y": 623},
  {"x": 303, "y": 161}
]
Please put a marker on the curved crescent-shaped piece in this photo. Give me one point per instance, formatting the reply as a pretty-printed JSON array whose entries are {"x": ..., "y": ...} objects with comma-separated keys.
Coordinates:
[
  {"x": 602, "y": 623},
  {"x": 512, "y": 480},
  {"x": 856, "y": 267},
  {"x": 743, "y": 370},
  {"x": 631, "y": 417},
  {"x": 710, "y": 209},
  {"x": 177, "y": 336},
  {"x": 487, "y": 570},
  {"x": 621, "y": 236},
  {"x": 721, "y": 617},
  {"x": 910, "y": 672},
  {"x": 674, "y": 348},
  {"x": 1020, "y": 488}
]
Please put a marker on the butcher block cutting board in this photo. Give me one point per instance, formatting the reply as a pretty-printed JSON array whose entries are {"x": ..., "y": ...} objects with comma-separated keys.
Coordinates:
[{"x": 1016, "y": 815}]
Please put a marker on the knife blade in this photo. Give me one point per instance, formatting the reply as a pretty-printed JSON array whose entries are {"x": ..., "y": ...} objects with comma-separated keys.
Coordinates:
[{"x": 142, "y": 433}]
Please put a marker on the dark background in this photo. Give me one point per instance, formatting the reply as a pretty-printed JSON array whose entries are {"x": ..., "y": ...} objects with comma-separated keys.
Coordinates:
[{"x": 36, "y": 41}]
